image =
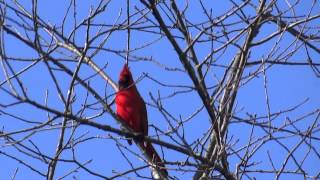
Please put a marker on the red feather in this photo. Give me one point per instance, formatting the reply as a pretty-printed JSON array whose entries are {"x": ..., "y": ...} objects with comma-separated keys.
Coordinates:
[{"x": 132, "y": 110}]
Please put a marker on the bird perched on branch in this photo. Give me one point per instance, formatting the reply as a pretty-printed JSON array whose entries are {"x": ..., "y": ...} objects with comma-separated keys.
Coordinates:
[{"x": 131, "y": 109}]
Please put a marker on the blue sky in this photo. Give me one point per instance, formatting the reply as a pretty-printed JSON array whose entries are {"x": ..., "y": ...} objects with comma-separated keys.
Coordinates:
[{"x": 288, "y": 86}]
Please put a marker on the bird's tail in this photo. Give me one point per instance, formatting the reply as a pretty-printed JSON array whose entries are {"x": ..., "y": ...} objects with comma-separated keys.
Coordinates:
[{"x": 159, "y": 169}]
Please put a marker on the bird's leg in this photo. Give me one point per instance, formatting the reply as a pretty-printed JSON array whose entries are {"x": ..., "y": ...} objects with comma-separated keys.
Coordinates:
[{"x": 138, "y": 137}]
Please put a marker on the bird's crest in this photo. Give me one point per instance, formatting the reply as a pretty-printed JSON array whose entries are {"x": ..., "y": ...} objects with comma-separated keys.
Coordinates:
[{"x": 125, "y": 72}]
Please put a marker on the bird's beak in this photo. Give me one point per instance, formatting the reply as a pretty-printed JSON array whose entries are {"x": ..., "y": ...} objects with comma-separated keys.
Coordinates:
[{"x": 123, "y": 84}]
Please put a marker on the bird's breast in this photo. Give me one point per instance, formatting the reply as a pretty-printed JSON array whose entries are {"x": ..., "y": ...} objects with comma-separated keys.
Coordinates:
[{"x": 128, "y": 108}]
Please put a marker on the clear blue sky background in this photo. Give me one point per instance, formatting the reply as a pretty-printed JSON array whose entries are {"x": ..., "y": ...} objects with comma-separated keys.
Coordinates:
[{"x": 287, "y": 85}]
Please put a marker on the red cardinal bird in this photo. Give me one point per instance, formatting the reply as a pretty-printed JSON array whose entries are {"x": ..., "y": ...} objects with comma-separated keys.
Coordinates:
[{"x": 132, "y": 110}]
